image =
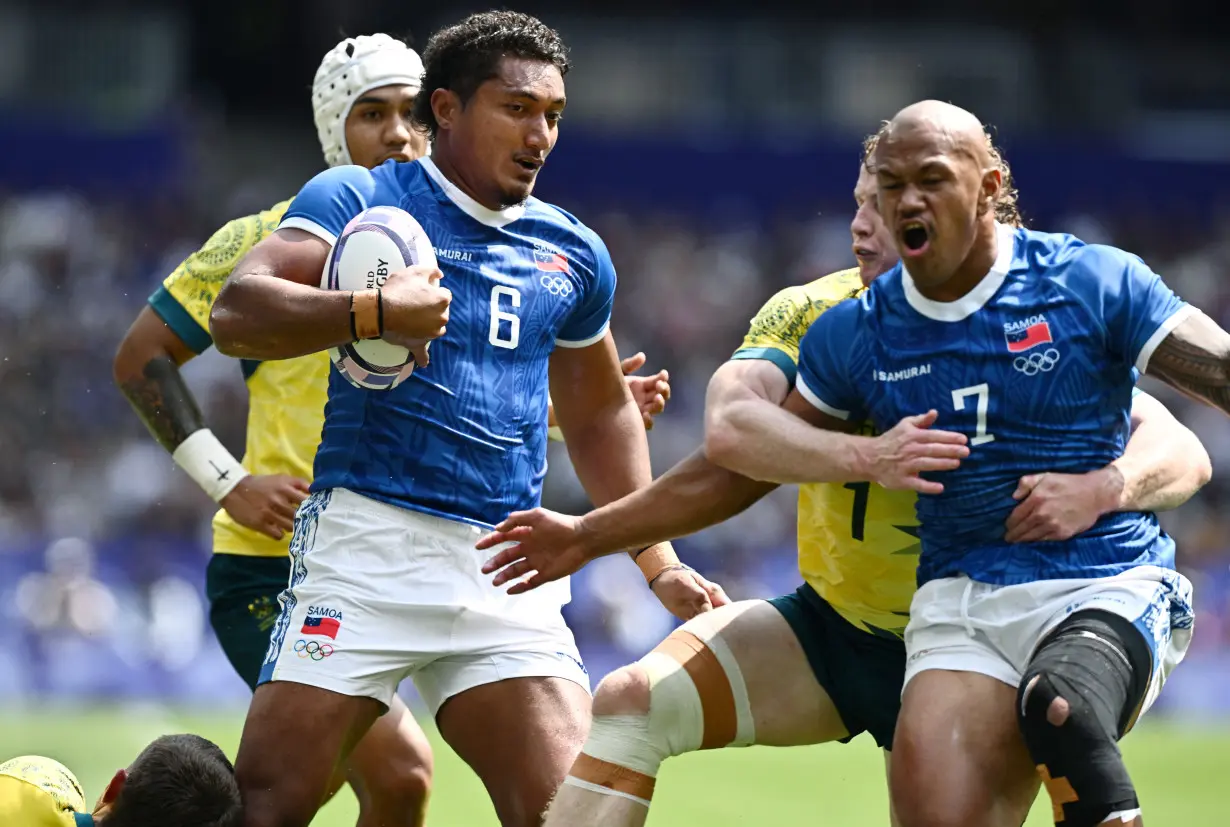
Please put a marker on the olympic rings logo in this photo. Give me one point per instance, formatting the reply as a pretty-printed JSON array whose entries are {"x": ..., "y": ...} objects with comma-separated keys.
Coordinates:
[
  {"x": 1036, "y": 363},
  {"x": 312, "y": 649},
  {"x": 557, "y": 286}
]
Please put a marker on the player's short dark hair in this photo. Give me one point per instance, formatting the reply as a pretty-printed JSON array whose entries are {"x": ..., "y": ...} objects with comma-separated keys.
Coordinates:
[
  {"x": 1007, "y": 210},
  {"x": 178, "y": 779},
  {"x": 463, "y": 56}
]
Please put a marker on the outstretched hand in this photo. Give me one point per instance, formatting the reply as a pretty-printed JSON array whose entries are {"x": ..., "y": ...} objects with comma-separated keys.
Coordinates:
[{"x": 546, "y": 544}]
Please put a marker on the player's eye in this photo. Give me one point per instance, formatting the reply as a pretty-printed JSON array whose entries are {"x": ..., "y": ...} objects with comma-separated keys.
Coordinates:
[
  {"x": 890, "y": 185},
  {"x": 555, "y": 117},
  {"x": 371, "y": 115},
  {"x": 515, "y": 107}
]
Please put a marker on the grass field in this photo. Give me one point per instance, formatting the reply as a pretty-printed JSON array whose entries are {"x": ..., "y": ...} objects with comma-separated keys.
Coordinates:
[{"x": 1179, "y": 773}]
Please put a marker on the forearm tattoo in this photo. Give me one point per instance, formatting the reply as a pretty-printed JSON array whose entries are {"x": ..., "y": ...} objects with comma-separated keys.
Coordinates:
[
  {"x": 1195, "y": 359},
  {"x": 164, "y": 403}
]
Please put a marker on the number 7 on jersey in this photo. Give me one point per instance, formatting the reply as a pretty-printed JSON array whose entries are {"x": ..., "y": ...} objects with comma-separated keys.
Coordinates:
[{"x": 983, "y": 392}]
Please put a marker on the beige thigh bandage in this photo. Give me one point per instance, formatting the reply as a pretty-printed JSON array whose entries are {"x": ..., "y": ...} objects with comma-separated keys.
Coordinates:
[{"x": 697, "y": 700}]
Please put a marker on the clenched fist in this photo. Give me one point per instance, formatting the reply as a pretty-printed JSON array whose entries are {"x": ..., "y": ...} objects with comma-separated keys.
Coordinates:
[{"x": 415, "y": 309}]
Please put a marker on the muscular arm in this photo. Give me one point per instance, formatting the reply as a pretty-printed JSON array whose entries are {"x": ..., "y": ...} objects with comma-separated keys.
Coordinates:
[
  {"x": 1163, "y": 465},
  {"x": 766, "y": 438},
  {"x": 600, "y": 421},
  {"x": 697, "y": 492},
  {"x": 739, "y": 395},
  {"x": 271, "y": 306},
  {"x": 740, "y": 392},
  {"x": 146, "y": 369},
  {"x": 1195, "y": 359},
  {"x": 692, "y": 496}
]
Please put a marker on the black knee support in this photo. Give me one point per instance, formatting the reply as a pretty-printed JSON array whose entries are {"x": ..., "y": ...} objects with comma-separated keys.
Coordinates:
[{"x": 1100, "y": 665}]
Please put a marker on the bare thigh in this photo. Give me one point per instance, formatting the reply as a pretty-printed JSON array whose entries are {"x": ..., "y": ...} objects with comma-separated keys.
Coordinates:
[
  {"x": 787, "y": 704},
  {"x": 391, "y": 768},
  {"x": 958, "y": 758},
  {"x": 294, "y": 740},
  {"x": 520, "y": 736}
]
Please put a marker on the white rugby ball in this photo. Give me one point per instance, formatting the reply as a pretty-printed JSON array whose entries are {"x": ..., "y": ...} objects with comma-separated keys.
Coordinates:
[{"x": 376, "y": 242}]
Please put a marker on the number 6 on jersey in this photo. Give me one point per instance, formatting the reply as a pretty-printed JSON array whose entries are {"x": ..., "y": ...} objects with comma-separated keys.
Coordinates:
[
  {"x": 983, "y": 392},
  {"x": 498, "y": 315}
]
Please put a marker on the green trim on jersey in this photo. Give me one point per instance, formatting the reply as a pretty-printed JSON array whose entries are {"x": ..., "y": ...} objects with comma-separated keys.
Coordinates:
[
  {"x": 770, "y": 354},
  {"x": 180, "y": 321}
]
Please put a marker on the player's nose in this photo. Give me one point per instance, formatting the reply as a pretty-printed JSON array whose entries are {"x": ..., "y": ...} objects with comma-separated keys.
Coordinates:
[
  {"x": 911, "y": 201},
  {"x": 399, "y": 132},
  {"x": 538, "y": 134},
  {"x": 860, "y": 227}
]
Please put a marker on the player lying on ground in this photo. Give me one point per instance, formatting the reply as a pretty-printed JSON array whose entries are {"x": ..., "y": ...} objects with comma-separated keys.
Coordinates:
[
  {"x": 407, "y": 479},
  {"x": 362, "y": 96},
  {"x": 1031, "y": 343},
  {"x": 826, "y": 662},
  {"x": 177, "y": 779}
]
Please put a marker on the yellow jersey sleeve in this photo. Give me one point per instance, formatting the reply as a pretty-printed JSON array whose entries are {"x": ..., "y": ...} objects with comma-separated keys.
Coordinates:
[
  {"x": 779, "y": 326},
  {"x": 40, "y": 792},
  {"x": 186, "y": 296}
]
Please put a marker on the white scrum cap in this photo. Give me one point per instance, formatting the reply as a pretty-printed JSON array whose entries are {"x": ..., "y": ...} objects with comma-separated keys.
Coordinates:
[{"x": 352, "y": 67}]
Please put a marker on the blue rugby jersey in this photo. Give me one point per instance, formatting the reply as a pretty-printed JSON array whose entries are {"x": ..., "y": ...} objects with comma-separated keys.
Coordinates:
[
  {"x": 1037, "y": 364},
  {"x": 465, "y": 437}
]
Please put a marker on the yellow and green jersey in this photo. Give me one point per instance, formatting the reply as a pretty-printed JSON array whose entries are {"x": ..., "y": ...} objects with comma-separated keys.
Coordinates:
[
  {"x": 858, "y": 542},
  {"x": 286, "y": 398},
  {"x": 40, "y": 792}
]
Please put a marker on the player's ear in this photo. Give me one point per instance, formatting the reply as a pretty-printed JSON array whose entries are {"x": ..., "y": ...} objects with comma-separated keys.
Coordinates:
[
  {"x": 445, "y": 105},
  {"x": 107, "y": 800},
  {"x": 992, "y": 183}
]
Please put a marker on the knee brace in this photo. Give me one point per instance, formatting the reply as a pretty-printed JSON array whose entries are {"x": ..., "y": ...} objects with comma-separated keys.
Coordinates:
[
  {"x": 1076, "y": 700},
  {"x": 697, "y": 700}
]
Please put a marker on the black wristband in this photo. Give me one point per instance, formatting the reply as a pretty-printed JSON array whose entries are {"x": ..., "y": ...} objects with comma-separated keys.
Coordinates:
[{"x": 354, "y": 333}]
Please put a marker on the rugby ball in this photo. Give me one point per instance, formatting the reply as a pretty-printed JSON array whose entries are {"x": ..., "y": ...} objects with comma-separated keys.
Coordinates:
[{"x": 376, "y": 242}]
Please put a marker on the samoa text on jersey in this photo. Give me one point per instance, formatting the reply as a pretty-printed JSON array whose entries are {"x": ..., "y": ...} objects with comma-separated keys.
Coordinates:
[
  {"x": 464, "y": 437},
  {"x": 1036, "y": 365}
]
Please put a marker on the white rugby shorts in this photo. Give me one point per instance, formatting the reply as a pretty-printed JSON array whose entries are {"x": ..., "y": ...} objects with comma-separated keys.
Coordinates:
[
  {"x": 962, "y": 625},
  {"x": 379, "y": 593}
]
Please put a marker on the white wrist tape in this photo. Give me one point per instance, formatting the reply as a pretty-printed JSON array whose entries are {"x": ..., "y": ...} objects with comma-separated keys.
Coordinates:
[{"x": 207, "y": 461}]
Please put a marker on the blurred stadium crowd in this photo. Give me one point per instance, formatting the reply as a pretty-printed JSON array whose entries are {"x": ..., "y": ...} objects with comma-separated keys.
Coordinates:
[
  {"x": 103, "y": 542},
  {"x": 131, "y": 129}
]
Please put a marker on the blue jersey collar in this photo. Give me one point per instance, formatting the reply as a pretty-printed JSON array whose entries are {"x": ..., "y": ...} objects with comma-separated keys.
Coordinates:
[{"x": 84, "y": 819}]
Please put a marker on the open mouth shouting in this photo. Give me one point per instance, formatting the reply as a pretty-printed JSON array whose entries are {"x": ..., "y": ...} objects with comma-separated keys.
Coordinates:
[{"x": 915, "y": 238}]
